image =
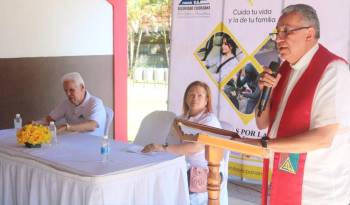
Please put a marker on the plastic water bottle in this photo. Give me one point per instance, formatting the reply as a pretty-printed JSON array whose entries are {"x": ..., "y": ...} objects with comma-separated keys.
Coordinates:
[
  {"x": 17, "y": 122},
  {"x": 52, "y": 128},
  {"x": 105, "y": 149}
]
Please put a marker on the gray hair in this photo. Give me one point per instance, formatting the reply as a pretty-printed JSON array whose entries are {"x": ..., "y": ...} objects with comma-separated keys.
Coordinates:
[
  {"x": 74, "y": 76},
  {"x": 308, "y": 13}
]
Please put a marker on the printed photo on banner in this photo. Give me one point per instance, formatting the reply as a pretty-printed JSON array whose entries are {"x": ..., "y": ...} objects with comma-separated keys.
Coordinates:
[
  {"x": 267, "y": 53},
  {"x": 220, "y": 54},
  {"x": 243, "y": 90}
]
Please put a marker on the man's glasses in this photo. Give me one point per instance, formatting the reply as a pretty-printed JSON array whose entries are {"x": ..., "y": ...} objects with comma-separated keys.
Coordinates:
[{"x": 286, "y": 32}]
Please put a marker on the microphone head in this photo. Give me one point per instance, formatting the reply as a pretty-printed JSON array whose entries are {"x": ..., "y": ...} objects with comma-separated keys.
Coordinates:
[{"x": 274, "y": 66}]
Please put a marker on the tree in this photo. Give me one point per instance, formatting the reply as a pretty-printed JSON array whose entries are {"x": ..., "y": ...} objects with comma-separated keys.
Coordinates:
[{"x": 150, "y": 17}]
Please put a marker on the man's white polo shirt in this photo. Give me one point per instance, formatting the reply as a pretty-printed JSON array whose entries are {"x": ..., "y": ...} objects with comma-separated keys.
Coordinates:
[{"x": 92, "y": 108}]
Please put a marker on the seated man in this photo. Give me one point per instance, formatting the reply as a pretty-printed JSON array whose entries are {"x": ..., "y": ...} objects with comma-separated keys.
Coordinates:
[{"x": 81, "y": 111}]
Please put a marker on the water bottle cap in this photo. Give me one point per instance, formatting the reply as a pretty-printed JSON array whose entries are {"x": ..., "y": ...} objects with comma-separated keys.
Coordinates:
[
  {"x": 52, "y": 123},
  {"x": 18, "y": 115}
]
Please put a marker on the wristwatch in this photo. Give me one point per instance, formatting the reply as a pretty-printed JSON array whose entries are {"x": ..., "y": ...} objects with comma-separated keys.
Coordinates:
[
  {"x": 165, "y": 145},
  {"x": 264, "y": 141}
]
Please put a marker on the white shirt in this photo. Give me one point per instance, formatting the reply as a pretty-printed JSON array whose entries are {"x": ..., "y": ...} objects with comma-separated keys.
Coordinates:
[
  {"x": 327, "y": 171},
  {"x": 92, "y": 108},
  {"x": 204, "y": 118},
  {"x": 198, "y": 159}
]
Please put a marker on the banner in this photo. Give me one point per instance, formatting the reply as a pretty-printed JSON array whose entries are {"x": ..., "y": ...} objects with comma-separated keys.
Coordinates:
[{"x": 226, "y": 44}]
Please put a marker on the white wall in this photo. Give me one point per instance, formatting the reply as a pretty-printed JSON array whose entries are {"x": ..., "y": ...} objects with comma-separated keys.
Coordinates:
[
  {"x": 334, "y": 19},
  {"x": 37, "y": 28}
]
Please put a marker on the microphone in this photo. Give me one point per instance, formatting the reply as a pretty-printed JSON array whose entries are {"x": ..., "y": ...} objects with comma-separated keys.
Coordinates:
[{"x": 265, "y": 96}]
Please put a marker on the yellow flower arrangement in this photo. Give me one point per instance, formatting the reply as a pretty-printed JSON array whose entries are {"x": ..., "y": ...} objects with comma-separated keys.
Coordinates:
[{"x": 33, "y": 134}]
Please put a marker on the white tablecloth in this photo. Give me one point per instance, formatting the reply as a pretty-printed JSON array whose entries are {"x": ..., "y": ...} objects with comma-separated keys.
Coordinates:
[{"x": 71, "y": 173}]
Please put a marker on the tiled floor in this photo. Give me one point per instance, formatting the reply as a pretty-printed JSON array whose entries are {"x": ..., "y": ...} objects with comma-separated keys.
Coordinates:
[{"x": 243, "y": 194}]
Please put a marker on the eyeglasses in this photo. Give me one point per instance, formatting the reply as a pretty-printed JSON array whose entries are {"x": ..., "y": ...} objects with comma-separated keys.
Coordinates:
[{"x": 284, "y": 33}]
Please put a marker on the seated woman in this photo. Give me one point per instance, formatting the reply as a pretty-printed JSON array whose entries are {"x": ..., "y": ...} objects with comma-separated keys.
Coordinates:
[{"x": 197, "y": 107}]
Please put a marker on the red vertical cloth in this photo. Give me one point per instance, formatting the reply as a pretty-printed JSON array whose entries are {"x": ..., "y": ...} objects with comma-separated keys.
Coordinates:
[{"x": 288, "y": 169}]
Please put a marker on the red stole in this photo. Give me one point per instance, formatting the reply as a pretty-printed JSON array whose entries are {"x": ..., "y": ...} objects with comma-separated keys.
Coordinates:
[{"x": 288, "y": 169}]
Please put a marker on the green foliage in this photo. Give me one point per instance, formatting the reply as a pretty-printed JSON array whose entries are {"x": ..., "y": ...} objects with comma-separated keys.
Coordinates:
[
  {"x": 148, "y": 22},
  {"x": 148, "y": 13}
]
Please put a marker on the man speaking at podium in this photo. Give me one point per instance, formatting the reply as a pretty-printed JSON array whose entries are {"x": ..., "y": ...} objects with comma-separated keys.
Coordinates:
[{"x": 307, "y": 116}]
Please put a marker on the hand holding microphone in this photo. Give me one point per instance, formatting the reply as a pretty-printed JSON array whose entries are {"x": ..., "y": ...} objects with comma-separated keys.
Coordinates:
[{"x": 267, "y": 81}]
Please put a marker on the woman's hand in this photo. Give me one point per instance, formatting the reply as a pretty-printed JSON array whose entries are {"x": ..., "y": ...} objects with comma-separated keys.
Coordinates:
[{"x": 152, "y": 148}]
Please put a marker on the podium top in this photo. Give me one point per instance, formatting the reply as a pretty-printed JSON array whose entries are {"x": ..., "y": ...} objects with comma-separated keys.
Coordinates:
[{"x": 220, "y": 138}]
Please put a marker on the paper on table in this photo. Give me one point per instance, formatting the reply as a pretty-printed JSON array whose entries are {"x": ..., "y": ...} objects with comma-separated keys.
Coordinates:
[{"x": 137, "y": 149}]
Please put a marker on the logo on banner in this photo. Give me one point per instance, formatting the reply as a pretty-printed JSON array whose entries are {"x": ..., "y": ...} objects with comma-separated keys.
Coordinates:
[
  {"x": 193, "y": 8},
  {"x": 251, "y": 2},
  {"x": 289, "y": 163},
  {"x": 193, "y": 2}
]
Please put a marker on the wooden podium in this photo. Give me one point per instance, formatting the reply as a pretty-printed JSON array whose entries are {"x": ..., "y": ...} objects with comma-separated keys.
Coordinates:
[{"x": 216, "y": 141}]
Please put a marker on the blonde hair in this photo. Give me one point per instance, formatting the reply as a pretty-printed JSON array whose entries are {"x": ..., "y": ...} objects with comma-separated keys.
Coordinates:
[{"x": 209, "y": 107}]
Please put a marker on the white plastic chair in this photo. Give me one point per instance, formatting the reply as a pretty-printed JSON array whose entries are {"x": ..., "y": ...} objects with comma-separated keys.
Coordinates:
[
  {"x": 148, "y": 75},
  {"x": 166, "y": 74},
  {"x": 159, "y": 75},
  {"x": 138, "y": 74},
  {"x": 109, "y": 118},
  {"x": 155, "y": 128},
  {"x": 223, "y": 188}
]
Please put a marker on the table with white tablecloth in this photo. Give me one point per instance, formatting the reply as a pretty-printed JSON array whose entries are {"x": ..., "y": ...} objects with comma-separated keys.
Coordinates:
[{"x": 71, "y": 172}]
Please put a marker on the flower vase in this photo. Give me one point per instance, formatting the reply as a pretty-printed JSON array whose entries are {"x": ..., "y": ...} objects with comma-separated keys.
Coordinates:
[{"x": 28, "y": 145}]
